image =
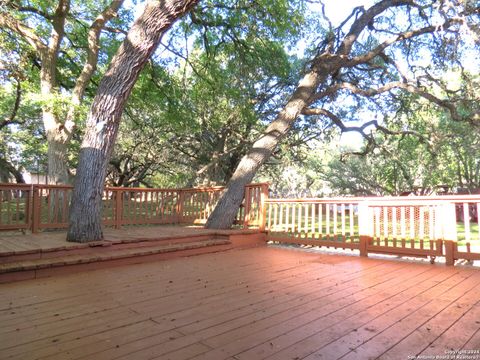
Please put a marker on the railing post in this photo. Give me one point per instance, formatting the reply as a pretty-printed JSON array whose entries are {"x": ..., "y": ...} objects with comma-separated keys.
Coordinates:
[
  {"x": 449, "y": 252},
  {"x": 263, "y": 207},
  {"x": 29, "y": 208},
  {"x": 363, "y": 227},
  {"x": 448, "y": 222},
  {"x": 449, "y": 232},
  {"x": 118, "y": 208},
  {"x": 364, "y": 245},
  {"x": 180, "y": 206},
  {"x": 36, "y": 208},
  {"x": 246, "y": 209}
]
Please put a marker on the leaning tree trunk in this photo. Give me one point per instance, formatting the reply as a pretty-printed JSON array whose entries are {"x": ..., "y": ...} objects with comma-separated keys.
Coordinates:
[
  {"x": 324, "y": 64},
  {"x": 227, "y": 207},
  {"x": 105, "y": 114}
]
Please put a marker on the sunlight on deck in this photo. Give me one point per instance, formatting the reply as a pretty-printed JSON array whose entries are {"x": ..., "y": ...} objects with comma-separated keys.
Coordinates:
[{"x": 248, "y": 304}]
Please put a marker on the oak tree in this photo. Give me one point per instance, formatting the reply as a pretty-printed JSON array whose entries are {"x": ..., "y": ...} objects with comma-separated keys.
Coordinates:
[
  {"x": 363, "y": 61},
  {"x": 105, "y": 114},
  {"x": 45, "y": 27}
]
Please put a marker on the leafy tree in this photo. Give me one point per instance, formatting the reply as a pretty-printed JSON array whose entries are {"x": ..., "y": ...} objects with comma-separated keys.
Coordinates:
[
  {"x": 63, "y": 40},
  {"x": 200, "y": 106},
  {"x": 104, "y": 117},
  {"x": 423, "y": 151},
  {"x": 364, "y": 61}
]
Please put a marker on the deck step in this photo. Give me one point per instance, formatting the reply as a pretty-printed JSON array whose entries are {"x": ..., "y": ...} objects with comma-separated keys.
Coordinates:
[
  {"x": 97, "y": 247},
  {"x": 109, "y": 254}
]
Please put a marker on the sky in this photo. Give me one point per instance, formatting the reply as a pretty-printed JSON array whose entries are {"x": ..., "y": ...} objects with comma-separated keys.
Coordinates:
[{"x": 338, "y": 10}]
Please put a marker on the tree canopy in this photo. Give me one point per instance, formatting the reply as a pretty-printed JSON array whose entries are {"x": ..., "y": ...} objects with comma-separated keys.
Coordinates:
[{"x": 240, "y": 90}]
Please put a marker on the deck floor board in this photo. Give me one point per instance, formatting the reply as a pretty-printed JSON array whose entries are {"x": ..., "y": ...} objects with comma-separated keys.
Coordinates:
[{"x": 260, "y": 303}]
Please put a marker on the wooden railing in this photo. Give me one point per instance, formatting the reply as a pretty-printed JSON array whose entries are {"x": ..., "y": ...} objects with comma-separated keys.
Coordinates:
[
  {"x": 15, "y": 206},
  {"x": 39, "y": 207},
  {"x": 407, "y": 226},
  {"x": 324, "y": 222}
]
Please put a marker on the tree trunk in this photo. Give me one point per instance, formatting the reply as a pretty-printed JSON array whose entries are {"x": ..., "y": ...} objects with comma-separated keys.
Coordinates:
[
  {"x": 7, "y": 169},
  {"x": 227, "y": 207},
  {"x": 57, "y": 138},
  {"x": 325, "y": 64},
  {"x": 105, "y": 114},
  {"x": 54, "y": 129},
  {"x": 57, "y": 170}
]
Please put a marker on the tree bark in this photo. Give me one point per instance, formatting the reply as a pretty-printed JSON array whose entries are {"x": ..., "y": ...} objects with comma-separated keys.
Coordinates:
[
  {"x": 57, "y": 173},
  {"x": 105, "y": 114},
  {"x": 7, "y": 170},
  {"x": 226, "y": 210}
]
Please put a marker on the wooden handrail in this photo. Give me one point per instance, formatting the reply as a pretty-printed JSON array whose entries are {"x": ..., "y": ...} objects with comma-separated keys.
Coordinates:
[
  {"x": 389, "y": 199},
  {"x": 46, "y": 206}
]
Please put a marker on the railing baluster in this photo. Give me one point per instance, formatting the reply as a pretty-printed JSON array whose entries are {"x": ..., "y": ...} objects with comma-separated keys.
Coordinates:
[
  {"x": 377, "y": 224},
  {"x": 351, "y": 220},
  {"x": 320, "y": 221},
  {"x": 313, "y": 220},
  {"x": 478, "y": 221},
  {"x": 283, "y": 227},
  {"x": 335, "y": 222},
  {"x": 9, "y": 210},
  {"x": 466, "y": 220},
  {"x": 305, "y": 223},
  {"x": 269, "y": 222},
  {"x": 394, "y": 226},
  {"x": 431, "y": 211},
  {"x": 327, "y": 221},
  {"x": 299, "y": 225},
  {"x": 385, "y": 225},
  {"x": 293, "y": 217},
  {"x": 412, "y": 223},
  {"x": 17, "y": 206}
]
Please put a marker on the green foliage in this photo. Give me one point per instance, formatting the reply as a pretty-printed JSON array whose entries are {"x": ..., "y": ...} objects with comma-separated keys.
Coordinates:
[
  {"x": 222, "y": 74},
  {"x": 200, "y": 105},
  {"x": 439, "y": 151},
  {"x": 23, "y": 137}
]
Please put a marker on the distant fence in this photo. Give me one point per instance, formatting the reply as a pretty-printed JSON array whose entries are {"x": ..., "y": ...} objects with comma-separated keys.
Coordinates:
[
  {"x": 38, "y": 207},
  {"x": 406, "y": 226}
]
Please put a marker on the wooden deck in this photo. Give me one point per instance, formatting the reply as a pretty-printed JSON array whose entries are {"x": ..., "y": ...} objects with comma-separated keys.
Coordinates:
[
  {"x": 49, "y": 240},
  {"x": 47, "y": 254},
  {"x": 245, "y": 304}
]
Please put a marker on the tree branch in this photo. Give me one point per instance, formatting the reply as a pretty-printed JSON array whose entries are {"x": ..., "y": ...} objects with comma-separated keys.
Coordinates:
[
  {"x": 58, "y": 23},
  {"x": 366, "y": 18},
  {"x": 361, "y": 59},
  {"x": 15, "y": 25},
  {"x": 90, "y": 65},
  {"x": 361, "y": 129},
  {"x": 11, "y": 119},
  {"x": 32, "y": 10},
  {"x": 446, "y": 104}
]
